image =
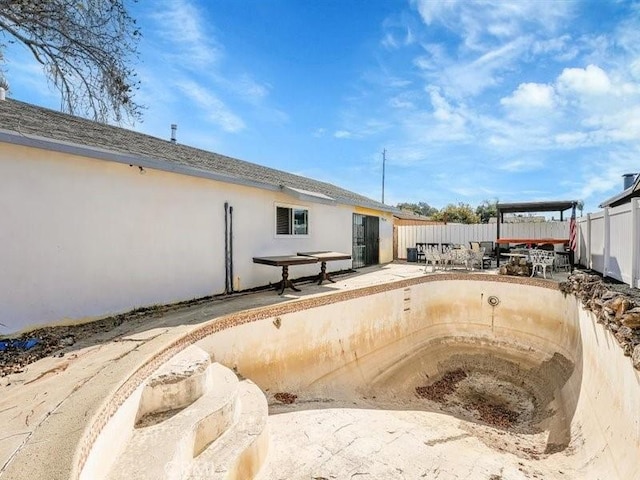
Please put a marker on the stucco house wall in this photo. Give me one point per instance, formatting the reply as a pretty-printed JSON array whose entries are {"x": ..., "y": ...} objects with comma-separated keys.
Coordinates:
[{"x": 84, "y": 238}]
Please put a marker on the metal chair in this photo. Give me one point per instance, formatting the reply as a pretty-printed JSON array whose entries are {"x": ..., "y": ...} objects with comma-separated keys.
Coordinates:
[
  {"x": 433, "y": 257},
  {"x": 540, "y": 261},
  {"x": 461, "y": 257}
]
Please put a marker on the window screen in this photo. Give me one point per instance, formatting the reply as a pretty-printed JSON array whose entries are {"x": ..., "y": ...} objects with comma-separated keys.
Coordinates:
[{"x": 292, "y": 221}]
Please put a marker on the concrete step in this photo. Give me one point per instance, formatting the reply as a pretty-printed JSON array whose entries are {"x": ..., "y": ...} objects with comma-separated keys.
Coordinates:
[
  {"x": 242, "y": 450},
  {"x": 176, "y": 384},
  {"x": 165, "y": 441}
]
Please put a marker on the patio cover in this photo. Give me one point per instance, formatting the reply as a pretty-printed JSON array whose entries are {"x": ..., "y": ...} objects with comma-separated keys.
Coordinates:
[{"x": 523, "y": 207}]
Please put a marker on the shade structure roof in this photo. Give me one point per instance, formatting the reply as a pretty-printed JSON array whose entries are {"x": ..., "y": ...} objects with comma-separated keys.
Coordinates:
[{"x": 549, "y": 206}]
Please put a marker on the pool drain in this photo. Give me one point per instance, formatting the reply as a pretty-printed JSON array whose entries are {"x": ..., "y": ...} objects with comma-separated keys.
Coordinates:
[{"x": 493, "y": 300}]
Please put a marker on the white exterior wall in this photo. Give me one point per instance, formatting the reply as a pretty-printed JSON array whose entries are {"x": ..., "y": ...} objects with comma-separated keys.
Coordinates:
[{"x": 84, "y": 238}]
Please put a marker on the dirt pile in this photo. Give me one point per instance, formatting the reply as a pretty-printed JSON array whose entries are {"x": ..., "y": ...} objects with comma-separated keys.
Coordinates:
[{"x": 616, "y": 306}]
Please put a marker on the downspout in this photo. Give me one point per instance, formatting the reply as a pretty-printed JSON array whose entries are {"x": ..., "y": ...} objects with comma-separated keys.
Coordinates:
[
  {"x": 226, "y": 247},
  {"x": 231, "y": 249}
]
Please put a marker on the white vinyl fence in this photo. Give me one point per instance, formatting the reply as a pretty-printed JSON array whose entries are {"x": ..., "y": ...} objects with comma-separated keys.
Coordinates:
[
  {"x": 609, "y": 242},
  {"x": 409, "y": 235}
]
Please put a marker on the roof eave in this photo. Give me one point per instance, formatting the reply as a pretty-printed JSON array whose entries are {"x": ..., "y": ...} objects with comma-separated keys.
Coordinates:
[
  {"x": 35, "y": 141},
  {"x": 619, "y": 197}
]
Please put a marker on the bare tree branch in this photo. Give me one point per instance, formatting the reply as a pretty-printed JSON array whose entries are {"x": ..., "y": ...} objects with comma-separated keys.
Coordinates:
[{"x": 86, "y": 48}]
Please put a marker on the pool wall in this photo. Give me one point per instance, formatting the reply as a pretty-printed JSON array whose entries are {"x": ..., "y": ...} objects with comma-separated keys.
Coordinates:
[
  {"x": 387, "y": 337},
  {"x": 377, "y": 343}
]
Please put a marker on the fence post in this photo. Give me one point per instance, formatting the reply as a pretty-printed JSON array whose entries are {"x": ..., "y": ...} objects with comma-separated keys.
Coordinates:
[
  {"x": 607, "y": 243},
  {"x": 635, "y": 248},
  {"x": 589, "y": 264}
]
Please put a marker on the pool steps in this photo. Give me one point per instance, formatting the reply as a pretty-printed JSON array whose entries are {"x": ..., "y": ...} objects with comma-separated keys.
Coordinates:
[{"x": 195, "y": 420}]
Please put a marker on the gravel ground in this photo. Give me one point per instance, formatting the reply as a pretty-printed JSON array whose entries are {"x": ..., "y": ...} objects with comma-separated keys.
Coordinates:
[{"x": 56, "y": 341}]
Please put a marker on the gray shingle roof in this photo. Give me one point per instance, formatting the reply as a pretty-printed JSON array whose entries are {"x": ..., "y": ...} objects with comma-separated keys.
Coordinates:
[{"x": 29, "y": 120}]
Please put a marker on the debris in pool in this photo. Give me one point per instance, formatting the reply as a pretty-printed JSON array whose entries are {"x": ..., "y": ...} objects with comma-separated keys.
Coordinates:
[
  {"x": 446, "y": 385},
  {"x": 494, "y": 414},
  {"x": 284, "y": 397}
]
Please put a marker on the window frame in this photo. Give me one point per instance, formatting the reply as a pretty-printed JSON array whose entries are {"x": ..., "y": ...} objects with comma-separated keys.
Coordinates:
[{"x": 292, "y": 209}]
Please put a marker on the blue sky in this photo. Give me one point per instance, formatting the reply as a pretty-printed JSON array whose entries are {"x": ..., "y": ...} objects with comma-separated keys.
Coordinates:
[{"x": 518, "y": 101}]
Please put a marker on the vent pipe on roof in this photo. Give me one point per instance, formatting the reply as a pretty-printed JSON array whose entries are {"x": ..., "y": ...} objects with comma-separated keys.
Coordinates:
[
  {"x": 3, "y": 93},
  {"x": 628, "y": 179},
  {"x": 174, "y": 127}
]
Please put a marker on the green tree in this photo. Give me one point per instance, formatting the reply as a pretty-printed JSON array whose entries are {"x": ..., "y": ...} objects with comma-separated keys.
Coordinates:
[
  {"x": 421, "y": 208},
  {"x": 85, "y": 48},
  {"x": 460, "y": 213},
  {"x": 487, "y": 209}
]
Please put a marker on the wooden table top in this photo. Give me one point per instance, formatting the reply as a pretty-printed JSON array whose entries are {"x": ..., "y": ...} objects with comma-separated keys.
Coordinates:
[
  {"x": 532, "y": 240},
  {"x": 325, "y": 256},
  {"x": 285, "y": 260}
]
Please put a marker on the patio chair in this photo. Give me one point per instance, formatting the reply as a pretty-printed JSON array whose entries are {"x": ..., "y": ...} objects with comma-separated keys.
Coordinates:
[
  {"x": 540, "y": 261},
  {"x": 483, "y": 259},
  {"x": 460, "y": 256},
  {"x": 446, "y": 246},
  {"x": 562, "y": 261},
  {"x": 477, "y": 258},
  {"x": 489, "y": 250},
  {"x": 421, "y": 247},
  {"x": 433, "y": 257}
]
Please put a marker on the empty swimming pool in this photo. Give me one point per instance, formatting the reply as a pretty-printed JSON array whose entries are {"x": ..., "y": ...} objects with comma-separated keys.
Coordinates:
[{"x": 446, "y": 377}]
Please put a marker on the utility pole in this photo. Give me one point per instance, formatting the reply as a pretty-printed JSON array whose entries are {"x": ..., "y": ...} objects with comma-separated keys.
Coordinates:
[{"x": 384, "y": 159}]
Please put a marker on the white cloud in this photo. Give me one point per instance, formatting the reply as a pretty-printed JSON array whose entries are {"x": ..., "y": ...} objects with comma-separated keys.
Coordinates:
[
  {"x": 584, "y": 81},
  {"x": 481, "y": 22},
  {"x": 605, "y": 174},
  {"x": 397, "y": 34},
  {"x": 560, "y": 48},
  {"x": 389, "y": 41},
  {"x": 401, "y": 102},
  {"x": 179, "y": 24},
  {"x": 531, "y": 95},
  {"x": 216, "y": 110},
  {"x": 571, "y": 138},
  {"x": 471, "y": 77},
  {"x": 521, "y": 165},
  {"x": 343, "y": 134}
]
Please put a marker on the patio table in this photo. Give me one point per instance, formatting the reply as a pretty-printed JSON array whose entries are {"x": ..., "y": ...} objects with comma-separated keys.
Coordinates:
[
  {"x": 285, "y": 261},
  {"x": 324, "y": 257}
]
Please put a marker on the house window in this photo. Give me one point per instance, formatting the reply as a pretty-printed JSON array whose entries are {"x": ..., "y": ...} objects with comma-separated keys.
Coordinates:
[{"x": 292, "y": 221}]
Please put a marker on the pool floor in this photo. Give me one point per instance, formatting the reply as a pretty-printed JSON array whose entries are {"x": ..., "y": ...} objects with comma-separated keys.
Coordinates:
[{"x": 339, "y": 440}]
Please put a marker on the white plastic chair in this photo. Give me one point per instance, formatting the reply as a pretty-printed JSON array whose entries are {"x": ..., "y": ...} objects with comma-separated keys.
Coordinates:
[{"x": 541, "y": 260}]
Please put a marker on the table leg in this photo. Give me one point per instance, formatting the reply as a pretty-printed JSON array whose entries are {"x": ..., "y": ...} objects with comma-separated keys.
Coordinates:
[
  {"x": 323, "y": 274},
  {"x": 285, "y": 282}
]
